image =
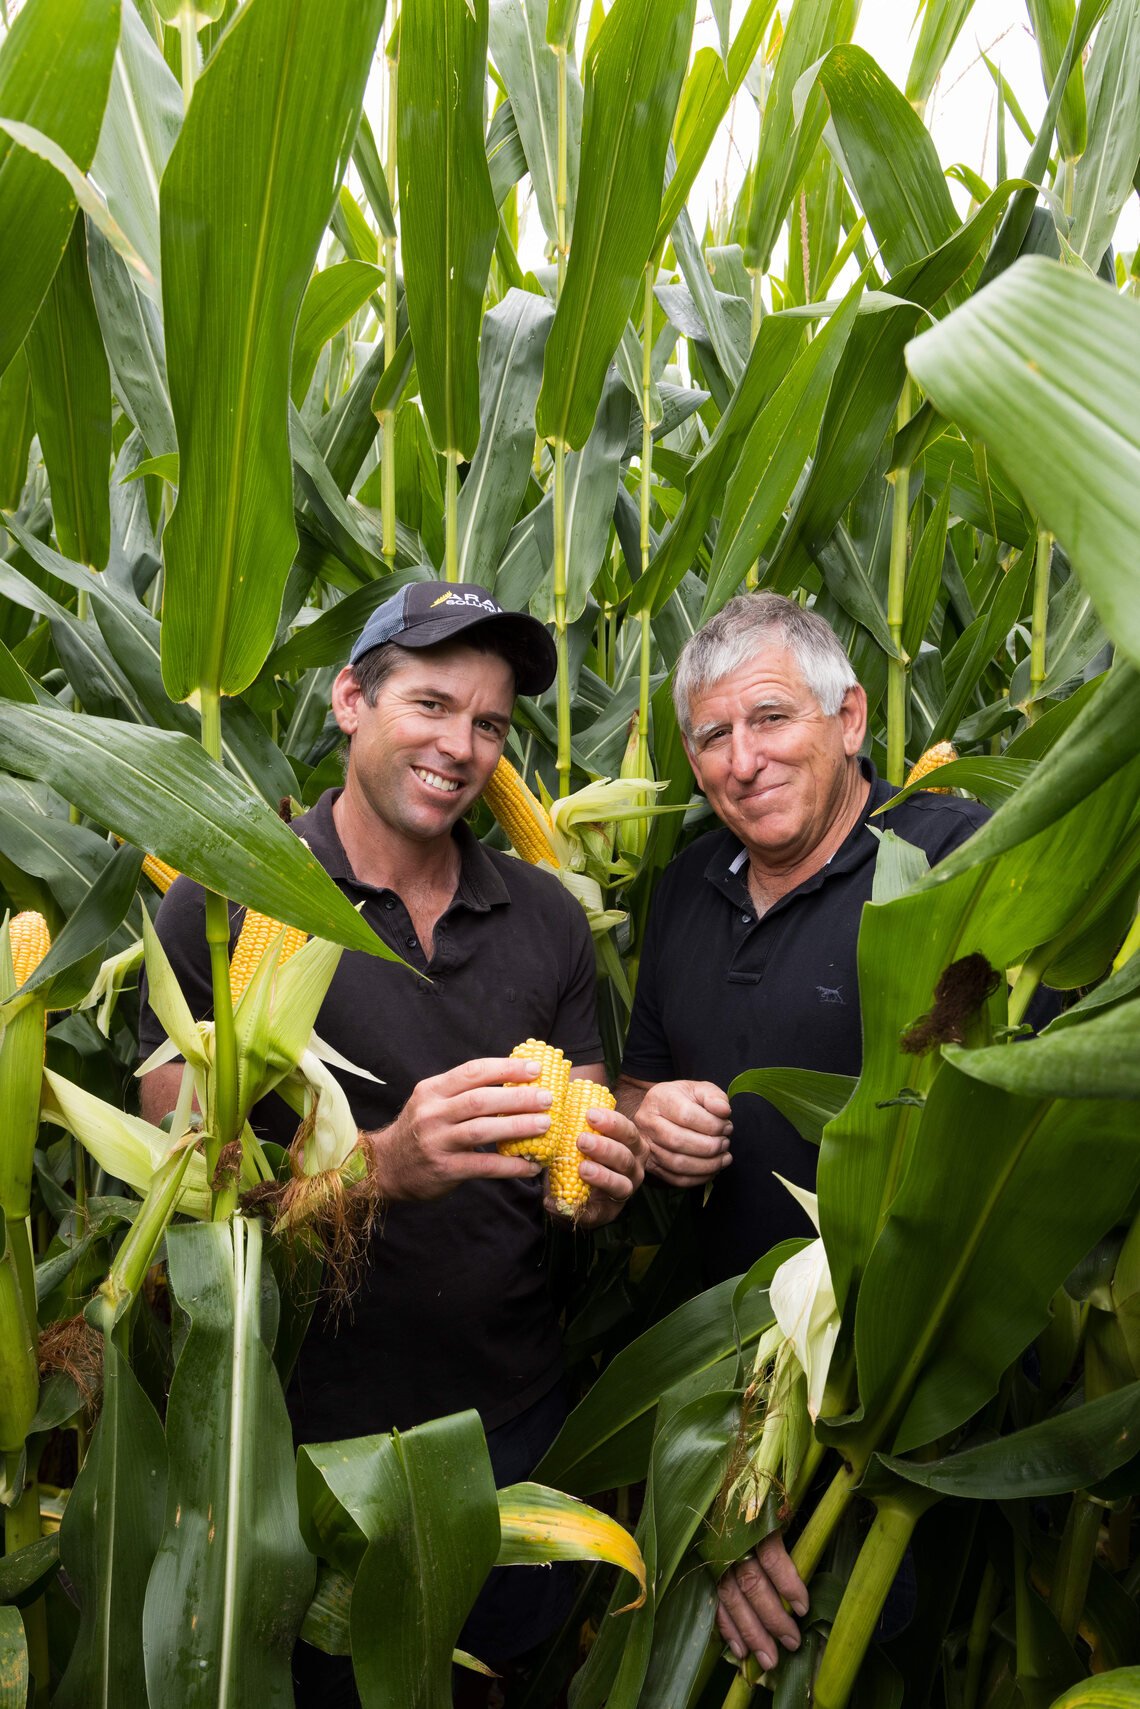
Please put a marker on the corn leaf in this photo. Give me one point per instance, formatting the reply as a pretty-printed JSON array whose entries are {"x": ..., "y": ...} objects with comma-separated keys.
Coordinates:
[
  {"x": 447, "y": 211},
  {"x": 1078, "y": 1447},
  {"x": 942, "y": 22},
  {"x": 67, "y": 970},
  {"x": 789, "y": 133},
  {"x": 889, "y": 158},
  {"x": 76, "y": 39},
  {"x": 711, "y": 83},
  {"x": 1119, "y": 1689},
  {"x": 160, "y": 792},
  {"x": 774, "y": 454},
  {"x": 691, "y": 1451},
  {"x": 232, "y": 1574},
  {"x": 511, "y": 344},
  {"x": 961, "y": 1276},
  {"x": 806, "y": 1097},
  {"x": 110, "y": 1534},
  {"x": 605, "y": 1441},
  {"x": 1100, "y": 1058},
  {"x": 1107, "y": 167},
  {"x": 1069, "y": 435},
  {"x": 72, "y": 392},
  {"x": 332, "y": 297},
  {"x": 415, "y": 1516},
  {"x": 140, "y": 127},
  {"x": 17, "y": 426},
  {"x": 633, "y": 79},
  {"x": 134, "y": 344},
  {"x": 15, "y": 1672},
  {"x": 537, "y": 1524},
  {"x": 1001, "y": 907},
  {"x": 237, "y": 248},
  {"x": 530, "y": 72},
  {"x": 592, "y": 476},
  {"x": 1052, "y": 21}
]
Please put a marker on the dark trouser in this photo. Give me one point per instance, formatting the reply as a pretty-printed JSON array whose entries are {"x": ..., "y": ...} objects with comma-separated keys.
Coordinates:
[{"x": 517, "y": 1609}]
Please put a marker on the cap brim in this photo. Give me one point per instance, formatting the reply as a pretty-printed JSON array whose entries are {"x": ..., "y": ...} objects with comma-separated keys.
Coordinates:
[{"x": 532, "y": 651}]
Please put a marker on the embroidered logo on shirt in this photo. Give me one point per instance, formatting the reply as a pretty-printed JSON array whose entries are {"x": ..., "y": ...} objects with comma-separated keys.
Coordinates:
[{"x": 831, "y": 994}]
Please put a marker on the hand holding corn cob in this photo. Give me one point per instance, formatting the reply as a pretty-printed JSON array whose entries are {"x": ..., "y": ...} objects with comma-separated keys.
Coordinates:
[
  {"x": 435, "y": 1142},
  {"x": 594, "y": 1156}
]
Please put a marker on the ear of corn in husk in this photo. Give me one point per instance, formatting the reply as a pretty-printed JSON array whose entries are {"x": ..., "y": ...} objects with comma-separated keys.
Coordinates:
[
  {"x": 521, "y": 814},
  {"x": 22, "y": 947},
  {"x": 258, "y": 935},
  {"x": 632, "y": 834},
  {"x": 939, "y": 755},
  {"x": 19, "y": 1375}
]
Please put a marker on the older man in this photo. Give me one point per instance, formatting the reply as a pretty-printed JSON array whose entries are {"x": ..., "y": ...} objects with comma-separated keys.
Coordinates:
[
  {"x": 455, "y": 1310},
  {"x": 749, "y": 956}
]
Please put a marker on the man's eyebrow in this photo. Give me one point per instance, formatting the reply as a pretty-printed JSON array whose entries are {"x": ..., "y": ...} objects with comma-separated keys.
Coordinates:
[{"x": 425, "y": 691}]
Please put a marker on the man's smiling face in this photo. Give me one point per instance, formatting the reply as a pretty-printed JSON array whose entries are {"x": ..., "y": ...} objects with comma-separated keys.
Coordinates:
[
  {"x": 423, "y": 753},
  {"x": 774, "y": 766}
]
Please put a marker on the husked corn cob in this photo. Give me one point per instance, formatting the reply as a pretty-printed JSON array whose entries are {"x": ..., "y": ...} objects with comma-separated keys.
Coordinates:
[
  {"x": 567, "y": 1188},
  {"x": 521, "y": 814},
  {"x": 257, "y": 933},
  {"x": 160, "y": 874},
  {"x": 940, "y": 754},
  {"x": 554, "y": 1077},
  {"x": 30, "y": 940}
]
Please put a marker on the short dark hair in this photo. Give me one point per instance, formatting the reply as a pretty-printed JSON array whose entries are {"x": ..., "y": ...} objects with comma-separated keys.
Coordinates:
[{"x": 374, "y": 668}]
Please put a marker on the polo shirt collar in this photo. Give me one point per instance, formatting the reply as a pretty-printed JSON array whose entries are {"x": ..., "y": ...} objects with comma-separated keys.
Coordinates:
[
  {"x": 729, "y": 859},
  {"x": 481, "y": 885}
]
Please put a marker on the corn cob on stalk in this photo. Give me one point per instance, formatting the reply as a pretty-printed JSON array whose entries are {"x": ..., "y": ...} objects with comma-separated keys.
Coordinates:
[
  {"x": 939, "y": 755},
  {"x": 30, "y": 940},
  {"x": 27, "y": 941},
  {"x": 19, "y": 1376},
  {"x": 632, "y": 834},
  {"x": 554, "y": 1077},
  {"x": 521, "y": 814},
  {"x": 160, "y": 874},
  {"x": 257, "y": 933},
  {"x": 567, "y": 1188}
]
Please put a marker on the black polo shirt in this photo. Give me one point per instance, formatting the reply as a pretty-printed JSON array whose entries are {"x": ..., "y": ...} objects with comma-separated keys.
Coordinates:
[
  {"x": 454, "y": 1311},
  {"x": 720, "y": 991}
]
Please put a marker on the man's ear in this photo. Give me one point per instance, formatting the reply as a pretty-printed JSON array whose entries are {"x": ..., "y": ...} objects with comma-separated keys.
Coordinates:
[
  {"x": 853, "y": 717},
  {"x": 346, "y": 699}
]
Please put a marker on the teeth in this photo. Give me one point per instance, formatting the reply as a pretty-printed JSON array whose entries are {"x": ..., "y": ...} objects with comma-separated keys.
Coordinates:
[{"x": 449, "y": 786}]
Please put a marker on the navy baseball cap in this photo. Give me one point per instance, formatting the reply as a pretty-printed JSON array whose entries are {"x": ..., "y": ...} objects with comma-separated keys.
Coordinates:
[{"x": 423, "y": 614}]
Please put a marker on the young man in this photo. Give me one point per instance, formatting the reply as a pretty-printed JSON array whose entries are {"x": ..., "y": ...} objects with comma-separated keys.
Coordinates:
[
  {"x": 454, "y": 1311},
  {"x": 749, "y": 957}
]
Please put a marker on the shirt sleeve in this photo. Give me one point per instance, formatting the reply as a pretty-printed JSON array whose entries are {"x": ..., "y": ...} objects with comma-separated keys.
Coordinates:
[
  {"x": 575, "y": 1029},
  {"x": 647, "y": 1055}
]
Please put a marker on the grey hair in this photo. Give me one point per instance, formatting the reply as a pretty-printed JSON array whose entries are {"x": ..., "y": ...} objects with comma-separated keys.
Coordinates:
[{"x": 740, "y": 630}]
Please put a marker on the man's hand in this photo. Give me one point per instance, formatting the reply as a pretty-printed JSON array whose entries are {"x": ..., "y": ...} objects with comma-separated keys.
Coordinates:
[
  {"x": 613, "y": 1162},
  {"x": 751, "y": 1615},
  {"x": 687, "y": 1125},
  {"x": 435, "y": 1141}
]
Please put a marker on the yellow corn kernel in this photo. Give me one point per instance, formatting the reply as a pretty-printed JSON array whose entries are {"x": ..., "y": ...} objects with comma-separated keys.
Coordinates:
[
  {"x": 521, "y": 814},
  {"x": 257, "y": 933},
  {"x": 30, "y": 941},
  {"x": 940, "y": 754},
  {"x": 160, "y": 874},
  {"x": 567, "y": 1188},
  {"x": 554, "y": 1077}
]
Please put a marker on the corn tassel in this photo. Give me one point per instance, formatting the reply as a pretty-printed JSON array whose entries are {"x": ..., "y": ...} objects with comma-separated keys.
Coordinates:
[
  {"x": 258, "y": 932},
  {"x": 521, "y": 814},
  {"x": 567, "y": 1188},
  {"x": 939, "y": 755},
  {"x": 554, "y": 1077}
]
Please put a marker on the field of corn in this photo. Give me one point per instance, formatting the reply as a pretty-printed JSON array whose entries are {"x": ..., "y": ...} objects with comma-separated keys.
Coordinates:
[{"x": 264, "y": 360}]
